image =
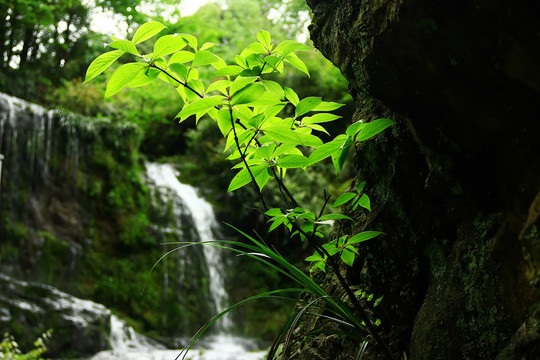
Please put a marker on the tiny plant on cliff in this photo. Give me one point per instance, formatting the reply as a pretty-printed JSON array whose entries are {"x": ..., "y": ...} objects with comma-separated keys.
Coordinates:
[{"x": 269, "y": 131}]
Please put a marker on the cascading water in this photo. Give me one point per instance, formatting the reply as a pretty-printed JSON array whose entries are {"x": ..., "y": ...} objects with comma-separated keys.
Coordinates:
[
  {"x": 223, "y": 346},
  {"x": 164, "y": 177},
  {"x": 51, "y": 149}
]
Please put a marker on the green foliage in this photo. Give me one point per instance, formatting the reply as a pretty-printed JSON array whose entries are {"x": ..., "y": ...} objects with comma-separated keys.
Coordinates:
[
  {"x": 9, "y": 348},
  {"x": 268, "y": 130}
]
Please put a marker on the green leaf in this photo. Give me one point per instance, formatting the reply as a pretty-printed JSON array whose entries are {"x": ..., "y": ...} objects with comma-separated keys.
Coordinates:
[
  {"x": 326, "y": 150},
  {"x": 306, "y": 105},
  {"x": 273, "y": 61},
  {"x": 168, "y": 44},
  {"x": 339, "y": 158},
  {"x": 320, "y": 118},
  {"x": 122, "y": 76},
  {"x": 220, "y": 85},
  {"x": 344, "y": 198},
  {"x": 363, "y": 236},
  {"x": 361, "y": 187},
  {"x": 125, "y": 45},
  {"x": 291, "y": 161},
  {"x": 191, "y": 40},
  {"x": 248, "y": 94},
  {"x": 144, "y": 77},
  {"x": 266, "y": 151},
  {"x": 180, "y": 69},
  {"x": 101, "y": 63},
  {"x": 334, "y": 217},
  {"x": 254, "y": 60},
  {"x": 315, "y": 257},
  {"x": 328, "y": 106},
  {"x": 204, "y": 57},
  {"x": 224, "y": 121},
  {"x": 274, "y": 88},
  {"x": 264, "y": 37},
  {"x": 274, "y": 212},
  {"x": 276, "y": 222},
  {"x": 257, "y": 48},
  {"x": 283, "y": 134},
  {"x": 291, "y": 96},
  {"x": 365, "y": 202},
  {"x": 181, "y": 57},
  {"x": 199, "y": 105},
  {"x": 229, "y": 70},
  {"x": 288, "y": 46},
  {"x": 373, "y": 128},
  {"x": 241, "y": 82},
  {"x": 243, "y": 177},
  {"x": 146, "y": 31},
  {"x": 297, "y": 63},
  {"x": 355, "y": 128},
  {"x": 240, "y": 60},
  {"x": 347, "y": 257},
  {"x": 265, "y": 100},
  {"x": 207, "y": 45}
]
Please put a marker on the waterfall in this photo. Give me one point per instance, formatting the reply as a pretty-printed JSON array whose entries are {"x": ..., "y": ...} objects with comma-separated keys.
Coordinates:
[{"x": 164, "y": 176}]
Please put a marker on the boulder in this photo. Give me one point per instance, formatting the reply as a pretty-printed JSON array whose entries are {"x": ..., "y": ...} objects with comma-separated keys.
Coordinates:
[{"x": 80, "y": 327}]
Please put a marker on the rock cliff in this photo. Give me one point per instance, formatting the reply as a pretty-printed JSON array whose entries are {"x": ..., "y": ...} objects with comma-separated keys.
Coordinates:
[{"x": 456, "y": 182}]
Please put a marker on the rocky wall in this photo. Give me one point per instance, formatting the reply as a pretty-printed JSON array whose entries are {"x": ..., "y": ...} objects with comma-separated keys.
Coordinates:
[{"x": 455, "y": 184}]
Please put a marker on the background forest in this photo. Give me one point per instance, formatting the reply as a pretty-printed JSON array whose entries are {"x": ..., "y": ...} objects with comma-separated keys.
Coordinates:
[{"x": 81, "y": 217}]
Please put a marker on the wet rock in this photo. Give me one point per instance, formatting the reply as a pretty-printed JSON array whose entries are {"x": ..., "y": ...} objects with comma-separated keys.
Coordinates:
[
  {"x": 454, "y": 185},
  {"x": 80, "y": 327}
]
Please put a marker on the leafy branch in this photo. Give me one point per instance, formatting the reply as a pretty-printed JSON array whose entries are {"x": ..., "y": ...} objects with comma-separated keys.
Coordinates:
[{"x": 253, "y": 114}]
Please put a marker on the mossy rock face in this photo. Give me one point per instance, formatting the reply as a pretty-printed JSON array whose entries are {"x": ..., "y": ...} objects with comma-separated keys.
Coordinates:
[
  {"x": 29, "y": 309},
  {"x": 454, "y": 185}
]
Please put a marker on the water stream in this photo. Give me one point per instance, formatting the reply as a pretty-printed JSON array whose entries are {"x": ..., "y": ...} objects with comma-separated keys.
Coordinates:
[{"x": 127, "y": 345}]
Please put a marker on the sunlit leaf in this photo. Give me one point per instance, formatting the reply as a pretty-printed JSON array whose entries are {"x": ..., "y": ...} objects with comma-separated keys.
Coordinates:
[
  {"x": 243, "y": 177},
  {"x": 122, "y": 76},
  {"x": 291, "y": 96},
  {"x": 365, "y": 202},
  {"x": 248, "y": 94},
  {"x": 207, "y": 45},
  {"x": 191, "y": 40},
  {"x": 264, "y": 37},
  {"x": 168, "y": 44},
  {"x": 181, "y": 57},
  {"x": 328, "y": 106},
  {"x": 291, "y": 161},
  {"x": 199, "y": 105},
  {"x": 125, "y": 45},
  {"x": 229, "y": 70},
  {"x": 344, "y": 198},
  {"x": 204, "y": 57},
  {"x": 306, "y": 105},
  {"x": 146, "y": 31},
  {"x": 297, "y": 63},
  {"x": 326, "y": 150},
  {"x": 224, "y": 121},
  {"x": 241, "y": 82},
  {"x": 373, "y": 128},
  {"x": 274, "y": 88},
  {"x": 101, "y": 63},
  {"x": 334, "y": 217},
  {"x": 257, "y": 48},
  {"x": 144, "y": 78},
  {"x": 363, "y": 236},
  {"x": 320, "y": 118}
]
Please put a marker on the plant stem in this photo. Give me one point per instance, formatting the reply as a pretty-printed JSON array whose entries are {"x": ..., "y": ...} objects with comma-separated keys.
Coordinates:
[{"x": 243, "y": 156}]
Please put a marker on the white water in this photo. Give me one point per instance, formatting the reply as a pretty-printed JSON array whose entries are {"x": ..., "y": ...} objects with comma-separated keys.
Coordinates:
[
  {"x": 165, "y": 176},
  {"x": 127, "y": 345}
]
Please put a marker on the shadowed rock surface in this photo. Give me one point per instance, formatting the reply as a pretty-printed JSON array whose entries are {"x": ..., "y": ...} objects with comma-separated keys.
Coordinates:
[{"x": 455, "y": 184}]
